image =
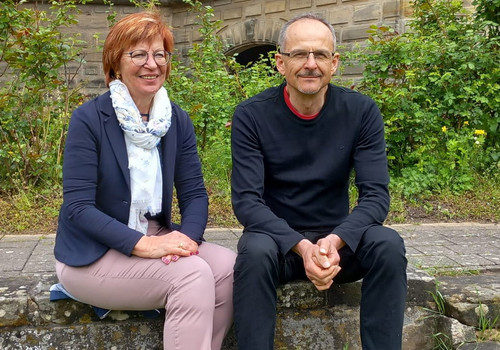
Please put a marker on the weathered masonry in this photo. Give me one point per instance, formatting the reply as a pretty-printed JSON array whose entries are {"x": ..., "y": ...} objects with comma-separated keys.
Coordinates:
[{"x": 250, "y": 27}]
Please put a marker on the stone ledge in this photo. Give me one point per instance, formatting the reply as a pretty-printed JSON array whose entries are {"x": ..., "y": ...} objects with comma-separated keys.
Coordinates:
[
  {"x": 28, "y": 320},
  {"x": 307, "y": 318},
  {"x": 24, "y": 301}
]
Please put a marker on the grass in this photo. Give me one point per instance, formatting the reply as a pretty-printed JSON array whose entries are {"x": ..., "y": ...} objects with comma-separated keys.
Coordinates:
[
  {"x": 30, "y": 212},
  {"x": 436, "y": 271},
  {"x": 486, "y": 328},
  {"x": 35, "y": 211},
  {"x": 479, "y": 205}
]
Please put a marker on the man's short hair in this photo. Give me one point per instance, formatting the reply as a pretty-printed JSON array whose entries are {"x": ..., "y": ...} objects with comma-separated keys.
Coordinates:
[{"x": 309, "y": 15}]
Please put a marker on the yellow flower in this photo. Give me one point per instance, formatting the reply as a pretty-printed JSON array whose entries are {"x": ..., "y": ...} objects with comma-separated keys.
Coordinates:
[
  {"x": 466, "y": 122},
  {"x": 444, "y": 129},
  {"x": 479, "y": 132}
]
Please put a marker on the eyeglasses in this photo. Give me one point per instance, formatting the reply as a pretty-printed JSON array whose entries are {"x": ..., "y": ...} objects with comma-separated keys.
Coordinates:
[
  {"x": 302, "y": 56},
  {"x": 140, "y": 57}
]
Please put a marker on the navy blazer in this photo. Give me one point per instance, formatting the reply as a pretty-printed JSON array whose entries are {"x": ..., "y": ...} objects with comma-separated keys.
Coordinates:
[{"x": 96, "y": 184}]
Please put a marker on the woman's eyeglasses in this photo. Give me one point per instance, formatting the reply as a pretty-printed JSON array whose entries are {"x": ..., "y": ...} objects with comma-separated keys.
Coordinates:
[{"x": 140, "y": 57}]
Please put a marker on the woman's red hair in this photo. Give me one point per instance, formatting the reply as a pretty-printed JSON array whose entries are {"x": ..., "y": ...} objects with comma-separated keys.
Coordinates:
[{"x": 134, "y": 28}]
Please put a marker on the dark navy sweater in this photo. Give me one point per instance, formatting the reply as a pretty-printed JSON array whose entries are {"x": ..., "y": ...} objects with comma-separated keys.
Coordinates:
[{"x": 292, "y": 175}]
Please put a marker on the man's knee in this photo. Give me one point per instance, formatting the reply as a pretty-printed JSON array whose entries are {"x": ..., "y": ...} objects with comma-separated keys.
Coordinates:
[
  {"x": 256, "y": 252},
  {"x": 387, "y": 245},
  {"x": 385, "y": 237}
]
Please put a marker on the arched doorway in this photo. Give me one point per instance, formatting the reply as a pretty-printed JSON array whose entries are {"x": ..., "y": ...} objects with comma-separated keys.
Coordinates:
[
  {"x": 251, "y": 38},
  {"x": 253, "y": 53}
]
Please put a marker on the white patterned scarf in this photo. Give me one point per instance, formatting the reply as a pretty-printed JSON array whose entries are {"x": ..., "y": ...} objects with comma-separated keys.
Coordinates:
[{"x": 141, "y": 140}]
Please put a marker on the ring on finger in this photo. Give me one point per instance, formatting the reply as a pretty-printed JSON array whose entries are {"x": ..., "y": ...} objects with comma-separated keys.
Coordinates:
[{"x": 181, "y": 245}]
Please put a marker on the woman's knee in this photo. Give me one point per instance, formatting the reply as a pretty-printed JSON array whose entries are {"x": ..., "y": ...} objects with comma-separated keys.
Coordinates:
[{"x": 194, "y": 285}]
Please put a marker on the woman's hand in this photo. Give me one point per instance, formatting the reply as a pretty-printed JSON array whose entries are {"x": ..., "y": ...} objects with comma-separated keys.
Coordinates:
[
  {"x": 169, "y": 247},
  {"x": 186, "y": 244}
]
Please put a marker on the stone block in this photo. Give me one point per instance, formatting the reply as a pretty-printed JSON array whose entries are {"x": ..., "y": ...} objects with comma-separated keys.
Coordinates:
[
  {"x": 355, "y": 33},
  {"x": 299, "y": 4},
  {"x": 453, "y": 332},
  {"x": 436, "y": 250},
  {"x": 252, "y": 10},
  {"x": 221, "y": 2},
  {"x": 92, "y": 70},
  {"x": 483, "y": 345},
  {"x": 95, "y": 87},
  {"x": 92, "y": 56},
  {"x": 15, "y": 252},
  {"x": 407, "y": 8},
  {"x": 467, "y": 264},
  {"x": 351, "y": 71},
  {"x": 418, "y": 328},
  {"x": 180, "y": 36},
  {"x": 390, "y": 9},
  {"x": 431, "y": 262},
  {"x": 494, "y": 258},
  {"x": 274, "y": 6},
  {"x": 93, "y": 22},
  {"x": 300, "y": 295},
  {"x": 194, "y": 36},
  {"x": 467, "y": 297},
  {"x": 318, "y": 329},
  {"x": 145, "y": 334},
  {"x": 339, "y": 15},
  {"x": 97, "y": 9},
  {"x": 190, "y": 19},
  {"x": 366, "y": 13},
  {"x": 325, "y": 2},
  {"x": 228, "y": 239},
  {"x": 178, "y": 20},
  {"x": 232, "y": 13}
]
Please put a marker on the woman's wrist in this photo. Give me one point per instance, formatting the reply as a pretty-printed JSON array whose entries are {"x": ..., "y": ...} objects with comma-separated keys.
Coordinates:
[{"x": 143, "y": 247}]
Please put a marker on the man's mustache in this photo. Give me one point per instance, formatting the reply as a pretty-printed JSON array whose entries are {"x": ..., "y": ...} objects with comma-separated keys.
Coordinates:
[{"x": 310, "y": 75}]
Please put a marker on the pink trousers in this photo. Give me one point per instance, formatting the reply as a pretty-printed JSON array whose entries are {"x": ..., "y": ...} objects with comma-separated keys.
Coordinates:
[{"x": 195, "y": 291}]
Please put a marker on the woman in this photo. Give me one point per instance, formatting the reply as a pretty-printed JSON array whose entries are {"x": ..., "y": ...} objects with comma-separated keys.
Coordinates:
[{"x": 116, "y": 247}]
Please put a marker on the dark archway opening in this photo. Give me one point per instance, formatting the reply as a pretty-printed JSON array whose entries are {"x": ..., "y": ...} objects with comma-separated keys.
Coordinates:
[{"x": 253, "y": 54}]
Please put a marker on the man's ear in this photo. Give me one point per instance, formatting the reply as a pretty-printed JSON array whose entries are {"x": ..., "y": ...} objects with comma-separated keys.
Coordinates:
[
  {"x": 335, "y": 62},
  {"x": 280, "y": 64}
]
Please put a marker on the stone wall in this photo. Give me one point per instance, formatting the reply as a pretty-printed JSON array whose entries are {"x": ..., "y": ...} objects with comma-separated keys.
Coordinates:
[{"x": 246, "y": 24}]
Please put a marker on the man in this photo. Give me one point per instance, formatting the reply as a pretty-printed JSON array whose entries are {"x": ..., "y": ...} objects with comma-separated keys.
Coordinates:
[{"x": 294, "y": 147}]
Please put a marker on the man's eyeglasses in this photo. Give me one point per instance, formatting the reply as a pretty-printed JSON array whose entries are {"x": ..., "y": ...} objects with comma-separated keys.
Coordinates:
[
  {"x": 302, "y": 55},
  {"x": 140, "y": 57}
]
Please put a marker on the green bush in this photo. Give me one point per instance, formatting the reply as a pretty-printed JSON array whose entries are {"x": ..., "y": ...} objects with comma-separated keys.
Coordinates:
[
  {"x": 37, "y": 96},
  {"x": 209, "y": 86},
  {"x": 438, "y": 88}
]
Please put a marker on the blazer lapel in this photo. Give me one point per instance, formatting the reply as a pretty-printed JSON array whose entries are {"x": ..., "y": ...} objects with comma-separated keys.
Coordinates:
[
  {"x": 114, "y": 133},
  {"x": 168, "y": 154}
]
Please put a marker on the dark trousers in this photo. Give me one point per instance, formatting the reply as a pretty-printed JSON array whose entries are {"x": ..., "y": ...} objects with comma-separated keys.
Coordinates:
[{"x": 379, "y": 260}]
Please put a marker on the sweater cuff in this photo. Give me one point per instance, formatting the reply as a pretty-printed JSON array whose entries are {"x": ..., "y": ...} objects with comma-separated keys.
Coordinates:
[{"x": 193, "y": 230}]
